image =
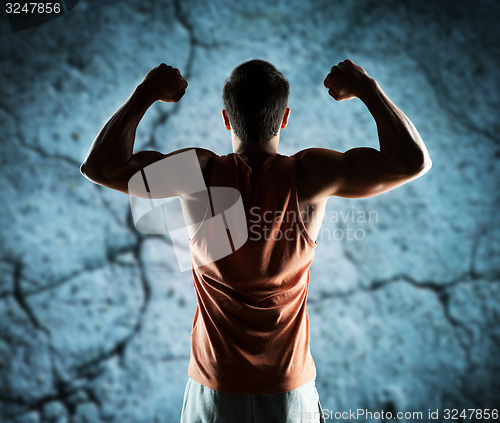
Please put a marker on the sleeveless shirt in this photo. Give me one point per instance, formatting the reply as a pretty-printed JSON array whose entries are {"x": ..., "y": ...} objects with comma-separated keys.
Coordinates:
[{"x": 250, "y": 333}]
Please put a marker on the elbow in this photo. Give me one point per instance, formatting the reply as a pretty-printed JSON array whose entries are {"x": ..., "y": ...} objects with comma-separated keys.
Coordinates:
[
  {"x": 421, "y": 167},
  {"x": 419, "y": 161},
  {"x": 427, "y": 164},
  {"x": 83, "y": 169},
  {"x": 90, "y": 173}
]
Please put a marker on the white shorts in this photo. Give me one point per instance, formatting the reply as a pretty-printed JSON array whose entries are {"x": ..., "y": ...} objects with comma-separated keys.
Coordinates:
[{"x": 205, "y": 405}]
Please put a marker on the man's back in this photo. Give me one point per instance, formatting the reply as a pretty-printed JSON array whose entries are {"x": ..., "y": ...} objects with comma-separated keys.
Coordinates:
[{"x": 251, "y": 329}]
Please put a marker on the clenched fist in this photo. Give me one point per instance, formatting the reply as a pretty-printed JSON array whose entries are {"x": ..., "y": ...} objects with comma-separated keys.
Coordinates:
[
  {"x": 164, "y": 83},
  {"x": 347, "y": 80}
]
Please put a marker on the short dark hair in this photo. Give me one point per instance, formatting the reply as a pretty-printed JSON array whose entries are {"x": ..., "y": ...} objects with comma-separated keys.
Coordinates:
[{"x": 255, "y": 97}]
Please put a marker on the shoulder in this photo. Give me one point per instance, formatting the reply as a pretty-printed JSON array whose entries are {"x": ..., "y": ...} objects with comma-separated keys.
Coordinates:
[
  {"x": 204, "y": 156},
  {"x": 203, "y": 152},
  {"x": 318, "y": 171},
  {"x": 313, "y": 162}
]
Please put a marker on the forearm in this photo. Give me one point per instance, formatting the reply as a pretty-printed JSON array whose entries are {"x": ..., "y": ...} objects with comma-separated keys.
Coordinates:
[
  {"x": 400, "y": 142},
  {"x": 113, "y": 146}
]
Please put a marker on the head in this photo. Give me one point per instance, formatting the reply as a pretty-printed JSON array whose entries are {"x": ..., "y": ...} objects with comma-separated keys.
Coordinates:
[{"x": 255, "y": 97}]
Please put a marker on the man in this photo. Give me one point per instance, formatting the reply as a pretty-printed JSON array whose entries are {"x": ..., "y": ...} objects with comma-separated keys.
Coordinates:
[{"x": 250, "y": 357}]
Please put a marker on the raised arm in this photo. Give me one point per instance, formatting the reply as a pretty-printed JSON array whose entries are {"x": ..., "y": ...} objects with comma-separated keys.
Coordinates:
[
  {"x": 110, "y": 161},
  {"x": 365, "y": 172}
]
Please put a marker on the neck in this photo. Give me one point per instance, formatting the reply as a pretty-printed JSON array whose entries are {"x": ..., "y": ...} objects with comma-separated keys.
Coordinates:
[{"x": 253, "y": 150}]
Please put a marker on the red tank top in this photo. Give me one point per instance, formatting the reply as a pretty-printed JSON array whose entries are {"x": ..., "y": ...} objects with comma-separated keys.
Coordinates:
[{"x": 250, "y": 331}]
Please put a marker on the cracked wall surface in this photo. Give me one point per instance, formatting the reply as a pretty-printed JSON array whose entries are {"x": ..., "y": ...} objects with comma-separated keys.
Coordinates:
[{"x": 94, "y": 318}]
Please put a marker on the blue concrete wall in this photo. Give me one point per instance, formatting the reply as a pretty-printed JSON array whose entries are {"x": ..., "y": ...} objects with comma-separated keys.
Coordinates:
[{"x": 94, "y": 319}]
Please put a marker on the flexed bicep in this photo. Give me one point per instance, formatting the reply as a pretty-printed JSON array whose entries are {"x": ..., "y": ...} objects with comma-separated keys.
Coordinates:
[
  {"x": 365, "y": 172},
  {"x": 359, "y": 172}
]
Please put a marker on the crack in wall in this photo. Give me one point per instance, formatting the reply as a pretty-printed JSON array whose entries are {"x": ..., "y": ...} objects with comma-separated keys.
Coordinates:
[
  {"x": 441, "y": 291},
  {"x": 463, "y": 119},
  {"x": 40, "y": 151},
  {"x": 19, "y": 296},
  {"x": 112, "y": 256},
  {"x": 105, "y": 203}
]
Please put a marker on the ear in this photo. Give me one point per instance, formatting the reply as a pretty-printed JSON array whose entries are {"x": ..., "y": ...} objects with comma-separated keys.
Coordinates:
[
  {"x": 226, "y": 120},
  {"x": 284, "y": 122}
]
